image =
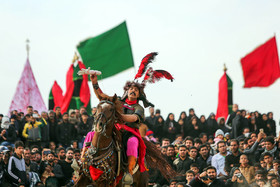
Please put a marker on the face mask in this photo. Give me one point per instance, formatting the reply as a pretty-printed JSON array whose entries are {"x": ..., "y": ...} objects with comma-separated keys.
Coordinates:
[{"x": 246, "y": 134}]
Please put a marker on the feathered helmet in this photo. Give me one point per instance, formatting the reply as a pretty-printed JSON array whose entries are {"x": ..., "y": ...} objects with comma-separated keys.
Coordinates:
[{"x": 151, "y": 76}]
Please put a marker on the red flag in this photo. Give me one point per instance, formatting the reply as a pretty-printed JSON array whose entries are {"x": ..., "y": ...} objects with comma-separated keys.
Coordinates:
[
  {"x": 81, "y": 87},
  {"x": 56, "y": 96},
  {"x": 222, "y": 110},
  {"x": 84, "y": 91},
  {"x": 261, "y": 66},
  {"x": 69, "y": 89}
]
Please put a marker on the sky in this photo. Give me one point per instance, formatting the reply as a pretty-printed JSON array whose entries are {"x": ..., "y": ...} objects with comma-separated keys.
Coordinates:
[{"x": 193, "y": 38}]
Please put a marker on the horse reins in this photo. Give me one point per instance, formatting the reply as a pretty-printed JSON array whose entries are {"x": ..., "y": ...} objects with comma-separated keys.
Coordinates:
[{"x": 103, "y": 130}]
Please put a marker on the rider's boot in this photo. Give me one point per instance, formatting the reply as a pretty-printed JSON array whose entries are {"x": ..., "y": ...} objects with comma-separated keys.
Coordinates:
[{"x": 127, "y": 178}]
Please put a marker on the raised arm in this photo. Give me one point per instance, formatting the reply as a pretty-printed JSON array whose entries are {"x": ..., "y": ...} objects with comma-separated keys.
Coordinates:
[{"x": 98, "y": 92}]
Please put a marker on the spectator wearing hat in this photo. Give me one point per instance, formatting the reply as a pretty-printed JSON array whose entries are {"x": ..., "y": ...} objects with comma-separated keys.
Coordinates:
[
  {"x": 65, "y": 131},
  {"x": 150, "y": 136},
  {"x": 9, "y": 135},
  {"x": 4, "y": 161},
  {"x": 157, "y": 113},
  {"x": 219, "y": 136},
  {"x": 84, "y": 127}
]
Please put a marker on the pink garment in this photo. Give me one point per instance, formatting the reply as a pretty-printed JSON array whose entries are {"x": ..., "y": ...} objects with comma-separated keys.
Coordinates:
[
  {"x": 216, "y": 140},
  {"x": 132, "y": 146},
  {"x": 89, "y": 137}
]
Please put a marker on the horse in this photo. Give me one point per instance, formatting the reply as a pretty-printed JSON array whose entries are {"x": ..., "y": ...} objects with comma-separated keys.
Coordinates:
[{"x": 104, "y": 154}]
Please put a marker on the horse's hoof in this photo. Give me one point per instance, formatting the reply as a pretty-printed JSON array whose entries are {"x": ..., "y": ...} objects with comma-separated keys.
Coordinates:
[{"x": 127, "y": 179}]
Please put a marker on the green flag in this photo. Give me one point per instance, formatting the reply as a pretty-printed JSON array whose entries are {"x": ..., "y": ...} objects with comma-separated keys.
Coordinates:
[{"x": 109, "y": 52}]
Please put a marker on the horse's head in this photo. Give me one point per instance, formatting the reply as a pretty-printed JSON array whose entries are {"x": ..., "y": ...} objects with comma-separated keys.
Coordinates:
[{"x": 107, "y": 113}]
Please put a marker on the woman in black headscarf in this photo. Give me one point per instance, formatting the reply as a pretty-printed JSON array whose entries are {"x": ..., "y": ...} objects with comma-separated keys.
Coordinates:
[
  {"x": 171, "y": 127},
  {"x": 183, "y": 123},
  {"x": 212, "y": 124},
  {"x": 195, "y": 129},
  {"x": 271, "y": 124},
  {"x": 158, "y": 128},
  {"x": 203, "y": 124}
]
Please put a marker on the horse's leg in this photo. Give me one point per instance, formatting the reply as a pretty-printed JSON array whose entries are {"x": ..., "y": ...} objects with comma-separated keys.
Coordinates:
[{"x": 140, "y": 179}]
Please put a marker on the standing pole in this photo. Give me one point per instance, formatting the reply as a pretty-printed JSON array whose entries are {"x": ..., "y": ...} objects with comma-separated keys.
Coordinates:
[{"x": 27, "y": 47}]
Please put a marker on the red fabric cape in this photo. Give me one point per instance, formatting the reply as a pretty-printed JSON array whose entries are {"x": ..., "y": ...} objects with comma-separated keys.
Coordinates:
[{"x": 142, "y": 146}]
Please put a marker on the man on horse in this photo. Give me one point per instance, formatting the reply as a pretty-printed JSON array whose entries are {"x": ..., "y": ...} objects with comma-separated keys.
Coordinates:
[{"x": 133, "y": 116}]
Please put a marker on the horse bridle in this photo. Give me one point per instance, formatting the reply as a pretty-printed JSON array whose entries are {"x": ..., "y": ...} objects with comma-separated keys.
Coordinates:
[{"x": 102, "y": 129}]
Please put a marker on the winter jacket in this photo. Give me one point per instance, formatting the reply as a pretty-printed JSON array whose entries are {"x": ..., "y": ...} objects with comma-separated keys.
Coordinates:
[
  {"x": 65, "y": 132},
  {"x": 32, "y": 132},
  {"x": 11, "y": 134},
  {"x": 16, "y": 170}
]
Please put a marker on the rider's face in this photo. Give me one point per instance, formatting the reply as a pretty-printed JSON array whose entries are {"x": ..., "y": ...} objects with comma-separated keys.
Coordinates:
[{"x": 133, "y": 93}]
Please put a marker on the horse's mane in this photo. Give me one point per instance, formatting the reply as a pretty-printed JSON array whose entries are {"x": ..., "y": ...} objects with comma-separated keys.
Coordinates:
[{"x": 118, "y": 106}]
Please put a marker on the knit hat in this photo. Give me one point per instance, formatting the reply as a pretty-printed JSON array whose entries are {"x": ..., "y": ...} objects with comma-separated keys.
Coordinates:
[
  {"x": 149, "y": 133},
  {"x": 219, "y": 132}
]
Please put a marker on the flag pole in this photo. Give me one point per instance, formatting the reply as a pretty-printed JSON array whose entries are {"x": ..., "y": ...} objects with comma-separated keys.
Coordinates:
[
  {"x": 27, "y": 47},
  {"x": 75, "y": 58},
  {"x": 225, "y": 68}
]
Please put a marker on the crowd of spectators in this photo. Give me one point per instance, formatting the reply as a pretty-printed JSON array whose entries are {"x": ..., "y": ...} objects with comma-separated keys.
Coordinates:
[{"x": 242, "y": 150}]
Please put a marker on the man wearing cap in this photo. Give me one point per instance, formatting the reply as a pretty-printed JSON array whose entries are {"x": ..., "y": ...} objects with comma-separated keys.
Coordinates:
[
  {"x": 133, "y": 117},
  {"x": 8, "y": 135},
  {"x": 4, "y": 161}
]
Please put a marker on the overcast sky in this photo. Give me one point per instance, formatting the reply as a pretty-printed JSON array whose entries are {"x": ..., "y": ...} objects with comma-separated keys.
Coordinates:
[{"x": 194, "y": 39}]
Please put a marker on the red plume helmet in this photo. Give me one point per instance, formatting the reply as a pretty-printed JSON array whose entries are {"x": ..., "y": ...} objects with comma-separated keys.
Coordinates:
[
  {"x": 153, "y": 76},
  {"x": 144, "y": 64}
]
